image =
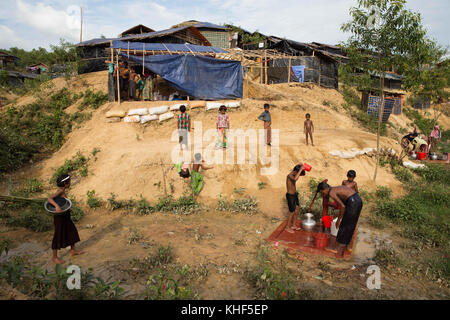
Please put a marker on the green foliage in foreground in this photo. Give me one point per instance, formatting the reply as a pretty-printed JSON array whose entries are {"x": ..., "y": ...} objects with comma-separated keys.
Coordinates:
[{"x": 37, "y": 283}]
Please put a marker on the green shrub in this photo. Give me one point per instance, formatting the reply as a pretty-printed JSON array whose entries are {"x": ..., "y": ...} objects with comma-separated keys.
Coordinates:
[
  {"x": 402, "y": 174},
  {"x": 434, "y": 173},
  {"x": 93, "y": 99},
  {"x": 183, "y": 205},
  {"x": 92, "y": 201},
  {"x": 383, "y": 193},
  {"x": 247, "y": 205},
  {"x": 36, "y": 221},
  {"x": 78, "y": 162},
  {"x": 425, "y": 125}
]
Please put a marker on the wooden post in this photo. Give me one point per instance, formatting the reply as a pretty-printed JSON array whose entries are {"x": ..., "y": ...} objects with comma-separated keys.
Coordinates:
[
  {"x": 261, "y": 69},
  {"x": 266, "y": 81},
  {"x": 128, "y": 51},
  {"x": 118, "y": 79},
  {"x": 289, "y": 71},
  {"x": 143, "y": 57}
]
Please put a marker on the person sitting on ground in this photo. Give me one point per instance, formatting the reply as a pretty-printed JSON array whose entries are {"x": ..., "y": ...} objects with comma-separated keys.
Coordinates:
[
  {"x": 292, "y": 197},
  {"x": 196, "y": 177},
  {"x": 350, "y": 182},
  {"x": 350, "y": 208},
  {"x": 265, "y": 116},
  {"x": 308, "y": 129},
  {"x": 66, "y": 234}
]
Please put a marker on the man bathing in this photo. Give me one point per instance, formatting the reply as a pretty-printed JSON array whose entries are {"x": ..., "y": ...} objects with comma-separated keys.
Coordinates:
[
  {"x": 292, "y": 197},
  {"x": 350, "y": 208}
]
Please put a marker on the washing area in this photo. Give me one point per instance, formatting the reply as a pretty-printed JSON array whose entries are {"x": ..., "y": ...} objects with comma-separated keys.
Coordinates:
[{"x": 312, "y": 237}]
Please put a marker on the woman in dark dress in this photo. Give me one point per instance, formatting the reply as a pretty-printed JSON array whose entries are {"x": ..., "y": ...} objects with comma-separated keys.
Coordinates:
[{"x": 66, "y": 233}]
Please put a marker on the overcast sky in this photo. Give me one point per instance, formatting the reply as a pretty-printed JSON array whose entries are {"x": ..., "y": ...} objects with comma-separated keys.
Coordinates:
[{"x": 31, "y": 24}]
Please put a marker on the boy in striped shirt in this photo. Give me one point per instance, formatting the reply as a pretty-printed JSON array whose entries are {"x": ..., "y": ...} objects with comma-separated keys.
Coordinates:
[{"x": 184, "y": 127}]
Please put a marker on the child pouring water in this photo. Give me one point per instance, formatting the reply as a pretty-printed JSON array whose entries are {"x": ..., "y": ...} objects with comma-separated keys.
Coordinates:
[{"x": 66, "y": 233}]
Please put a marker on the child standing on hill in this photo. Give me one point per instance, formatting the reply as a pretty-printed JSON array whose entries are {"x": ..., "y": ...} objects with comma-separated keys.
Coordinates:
[
  {"x": 265, "y": 116},
  {"x": 66, "y": 233},
  {"x": 308, "y": 129},
  {"x": 222, "y": 125},
  {"x": 350, "y": 182},
  {"x": 196, "y": 177},
  {"x": 184, "y": 127}
]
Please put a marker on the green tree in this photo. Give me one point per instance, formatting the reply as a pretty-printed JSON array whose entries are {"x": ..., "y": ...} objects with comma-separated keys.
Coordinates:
[{"x": 386, "y": 36}]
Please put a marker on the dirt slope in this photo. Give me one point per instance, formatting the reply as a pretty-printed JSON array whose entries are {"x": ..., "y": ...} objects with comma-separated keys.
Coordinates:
[{"x": 128, "y": 165}]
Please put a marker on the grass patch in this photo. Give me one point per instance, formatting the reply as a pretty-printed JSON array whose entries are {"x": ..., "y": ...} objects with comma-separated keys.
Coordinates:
[
  {"x": 92, "y": 99},
  {"x": 37, "y": 283},
  {"x": 247, "y": 205},
  {"x": 262, "y": 185},
  {"x": 29, "y": 187}
]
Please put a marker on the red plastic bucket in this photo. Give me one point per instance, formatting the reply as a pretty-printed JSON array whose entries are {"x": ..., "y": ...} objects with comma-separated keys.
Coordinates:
[
  {"x": 421, "y": 155},
  {"x": 307, "y": 167},
  {"x": 326, "y": 221},
  {"x": 321, "y": 240}
]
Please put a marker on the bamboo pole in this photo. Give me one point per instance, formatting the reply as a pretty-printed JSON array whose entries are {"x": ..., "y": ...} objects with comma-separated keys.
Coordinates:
[
  {"x": 118, "y": 79},
  {"x": 261, "y": 69},
  {"x": 143, "y": 57},
  {"x": 266, "y": 81},
  {"x": 289, "y": 71}
]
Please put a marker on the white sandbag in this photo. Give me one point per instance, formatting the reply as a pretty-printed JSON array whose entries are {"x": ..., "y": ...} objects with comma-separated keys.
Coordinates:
[
  {"x": 148, "y": 118},
  {"x": 115, "y": 113},
  {"x": 234, "y": 104},
  {"x": 177, "y": 106},
  {"x": 158, "y": 110},
  {"x": 138, "y": 112},
  {"x": 413, "y": 165},
  {"x": 213, "y": 105},
  {"x": 165, "y": 116},
  {"x": 130, "y": 119}
]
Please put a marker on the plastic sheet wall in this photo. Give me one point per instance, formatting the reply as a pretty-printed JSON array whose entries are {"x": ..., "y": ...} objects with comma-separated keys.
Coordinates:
[
  {"x": 320, "y": 71},
  {"x": 198, "y": 76}
]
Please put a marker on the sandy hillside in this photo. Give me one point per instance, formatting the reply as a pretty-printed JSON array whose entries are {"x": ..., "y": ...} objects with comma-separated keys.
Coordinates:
[
  {"x": 131, "y": 153},
  {"x": 129, "y": 165}
]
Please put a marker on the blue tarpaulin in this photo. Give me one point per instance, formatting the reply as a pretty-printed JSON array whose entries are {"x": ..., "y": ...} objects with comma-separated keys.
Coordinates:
[
  {"x": 299, "y": 72},
  {"x": 198, "y": 76}
]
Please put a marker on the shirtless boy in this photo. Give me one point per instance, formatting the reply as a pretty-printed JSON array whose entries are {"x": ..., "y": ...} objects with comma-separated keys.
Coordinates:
[
  {"x": 350, "y": 208},
  {"x": 350, "y": 182},
  {"x": 308, "y": 129},
  {"x": 292, "y": 197}
]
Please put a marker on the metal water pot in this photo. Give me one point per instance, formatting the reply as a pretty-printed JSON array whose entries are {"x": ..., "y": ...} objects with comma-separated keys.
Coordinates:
[
  {"x": 413, "y": 155},
  {"x": 308, "y": 223},
  {"x": 434, "y": 156}
]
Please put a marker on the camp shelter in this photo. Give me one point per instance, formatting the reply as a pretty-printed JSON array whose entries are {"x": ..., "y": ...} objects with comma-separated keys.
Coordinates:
[
  {"x": 217, "y": 35},
  {"x": 6, "y": 58},
  {"x": 38, "y": 68},
  {"x": 139, "y": 29},
  {"x": 192, "y": 69},
  {"x": 96, "y": 51},
  {"x": 304, "y": 63}
]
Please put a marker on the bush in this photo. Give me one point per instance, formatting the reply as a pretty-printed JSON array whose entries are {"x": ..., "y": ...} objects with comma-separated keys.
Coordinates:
[
  {"x": 78, "y": 162},
  {"x": 92, "y": 201},
  {"x": 93, "y": 99}
]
